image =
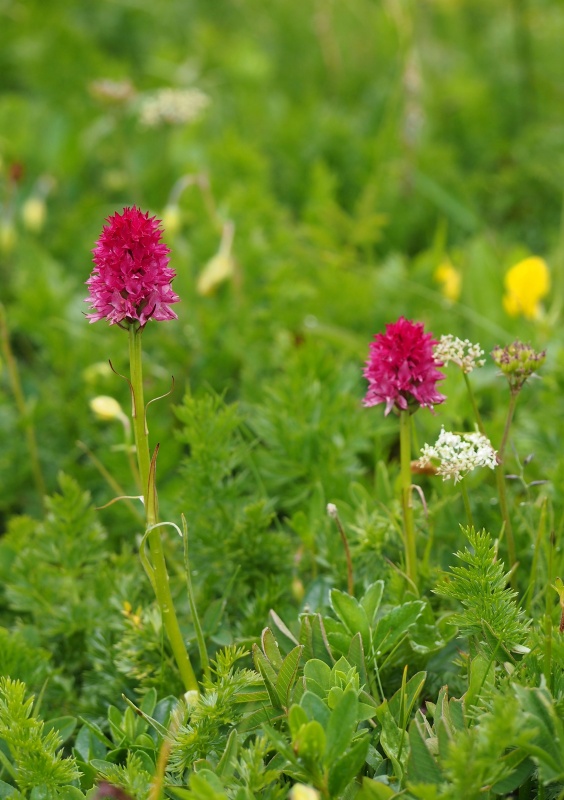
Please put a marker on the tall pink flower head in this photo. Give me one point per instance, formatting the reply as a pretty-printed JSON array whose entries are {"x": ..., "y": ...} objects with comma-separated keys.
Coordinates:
[
  {"x": 131, "y": 278},
  {"x": 401, "y": 370}
]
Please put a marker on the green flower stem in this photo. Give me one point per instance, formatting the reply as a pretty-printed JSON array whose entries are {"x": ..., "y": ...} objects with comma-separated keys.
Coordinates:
[
  {"x": 406, "y": 501},
  {"x": 500, "y": 479},
  {"x": 161, "y": 582},
  {"x": 466, "y": 501},
  {"x": 474, "y": 404}
]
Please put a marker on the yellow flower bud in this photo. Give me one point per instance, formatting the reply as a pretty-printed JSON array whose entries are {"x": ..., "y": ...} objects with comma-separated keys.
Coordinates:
[
  {"x": 106, "y": 408},
  {"x": 219, "y": 269},
  {"x": 300, "y": 791},
  {"x": 171, "y": 219},
  {"x": 34, "y": 214}
]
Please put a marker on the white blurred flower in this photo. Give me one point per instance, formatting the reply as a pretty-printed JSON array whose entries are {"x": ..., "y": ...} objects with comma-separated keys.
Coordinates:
[
  {"x": 455, "y": 455},
  {"x": 461, "y": 352},
  {"x": 172, "y": 106}
]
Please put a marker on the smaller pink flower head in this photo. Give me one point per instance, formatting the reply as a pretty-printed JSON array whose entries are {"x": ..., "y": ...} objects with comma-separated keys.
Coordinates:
[
  {"x": 401, "y": 370},
  {"x": 131, "y": 277}
]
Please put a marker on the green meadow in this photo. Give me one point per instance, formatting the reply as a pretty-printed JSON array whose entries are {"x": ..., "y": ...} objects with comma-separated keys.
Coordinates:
[{"x": 232, "y": 564}]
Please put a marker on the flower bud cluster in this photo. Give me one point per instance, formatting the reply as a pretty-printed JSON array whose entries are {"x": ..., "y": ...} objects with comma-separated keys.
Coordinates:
[
  {"x": 456, "y": 455},
  {"x": 518, "y": 362},
  {"x": 461, "y": 352}
]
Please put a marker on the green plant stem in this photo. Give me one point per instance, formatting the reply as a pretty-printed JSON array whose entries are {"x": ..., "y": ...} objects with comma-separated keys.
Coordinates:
[
  {"x": 17, "y": 391},
  {"x": 466, "y": 501},
  {"x": 406, "y": 501},
  {"x": 161, "y": 581},
  {"x": 500, "y": 479},
  {"x": 474, "y": 404}
]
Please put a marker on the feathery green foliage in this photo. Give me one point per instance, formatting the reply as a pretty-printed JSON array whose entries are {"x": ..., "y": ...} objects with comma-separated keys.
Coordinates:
[
  {"x": 491, "y": 615},
  {"x": 38, "y": 761}
]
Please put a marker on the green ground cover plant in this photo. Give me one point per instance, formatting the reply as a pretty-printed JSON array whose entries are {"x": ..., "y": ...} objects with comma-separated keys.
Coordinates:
[{"x": 324, "y": 560}]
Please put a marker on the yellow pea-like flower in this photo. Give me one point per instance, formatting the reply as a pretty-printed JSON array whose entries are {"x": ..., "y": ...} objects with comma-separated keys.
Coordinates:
[
  {"x": 526, "y": 284},
  {"x": 450, "y": 280}
]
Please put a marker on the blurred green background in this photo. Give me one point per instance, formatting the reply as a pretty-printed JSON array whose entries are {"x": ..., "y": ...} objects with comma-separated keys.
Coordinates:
[{"x": 351, "y": 148}]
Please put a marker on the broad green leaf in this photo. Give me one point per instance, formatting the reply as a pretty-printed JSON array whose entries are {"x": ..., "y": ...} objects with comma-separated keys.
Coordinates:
[
  {"x": 311, "y": 743},
  {"x": 280, "y": 743},
  {"x": 97, "y": 733},
  {"x": 287, "y": 675},
  {"x": 352, "y": 615},
  {"x": 270, "y": 649},
  {"x": 314, "y": 638},
  {"x": 226, "y": 765},
  {"x": 69, "y": 793},
  {"x": 427, "y": 638},
  {"x": 149, "y": 701},
  {"x": 63, "y": 725},
  {"x": 371, "y": 600},
  {"x": 355, "y": 657},
  {"x": 342, "y": 725},
  {"x": 346, "y": 768},
  {"x": 257, "y": 718},
  {"x": 205, "y": 785},
  {"x": 522, "y": 768},
  {"x": 315, "y": 708},
  {"x": 405, "y": 698},
  {"x": 317, "y": 676},
  {"x": 287, "y": 637},
  {"x": 297, "y": 717},
  {"x": 268, "y": 675},
  {"x": 394, "y": 625},
  {"x": 115, "y": 721},
  {"x": 393, "y": 739},
  {"x": 6, "y": 790},
  {"x": 421, "y": 766},
  {"x": 375, "y": 790}
]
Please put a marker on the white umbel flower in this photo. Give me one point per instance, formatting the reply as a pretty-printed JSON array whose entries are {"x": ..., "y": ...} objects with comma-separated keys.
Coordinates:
[
  {"x": 173, "y": 107},
  {"x": 455, "y": 455},
  {"x": 461, "y": 352}
]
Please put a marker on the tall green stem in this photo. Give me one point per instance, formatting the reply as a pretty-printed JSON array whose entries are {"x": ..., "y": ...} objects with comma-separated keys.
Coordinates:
[
  {"x": 500, "y": 478},
  {"x": 406, "y": 501},
  {"x": 474, "y": 404},
  {"x": 160, "y": 576}
]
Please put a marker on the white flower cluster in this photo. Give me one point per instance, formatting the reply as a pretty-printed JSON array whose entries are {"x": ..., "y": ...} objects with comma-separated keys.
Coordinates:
[
  {"x": 456, "y": 455},
  {"x": 173, "y": 106},
  {"x": 466, "y": 355}
]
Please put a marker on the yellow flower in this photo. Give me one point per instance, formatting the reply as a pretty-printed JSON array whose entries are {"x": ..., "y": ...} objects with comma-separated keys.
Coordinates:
[
  {"x": 526, "y": 283},
  {"x": 34, "y": 214},
  {"x": 450, "y": 280},
  {"x": 106, "y": 408},
  {"x": 218, "y": 270}
]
